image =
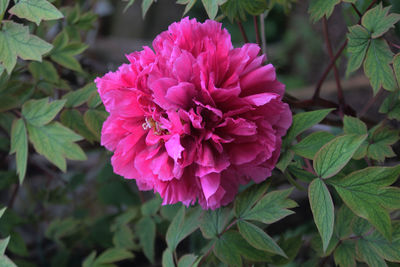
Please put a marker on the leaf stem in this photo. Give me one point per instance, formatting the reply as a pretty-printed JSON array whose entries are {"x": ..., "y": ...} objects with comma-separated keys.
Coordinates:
[
  {"x": 340, "y": 95},
  {"x": 245, "y": 39},
  {"x": 263, "y": 37},
  {"x": 356, "y": 10},
  {"x": 257, "y": 31}
]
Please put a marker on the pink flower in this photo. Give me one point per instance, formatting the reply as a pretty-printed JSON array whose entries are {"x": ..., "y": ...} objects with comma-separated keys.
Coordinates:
[{"x": 194, "y": 118}]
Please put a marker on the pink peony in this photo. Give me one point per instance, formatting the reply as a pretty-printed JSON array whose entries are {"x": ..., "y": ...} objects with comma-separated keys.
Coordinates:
[{"x": 194, "y": 118}]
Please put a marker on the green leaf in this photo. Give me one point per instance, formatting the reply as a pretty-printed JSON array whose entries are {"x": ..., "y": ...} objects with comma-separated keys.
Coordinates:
[
  {"x": 6, "y": 262},
  {"x": 344, "y": 254},
  {"x": 377, "y": 20},
  {"x": 237, "y": 9},
  {"x": 3, "y": 245},
  {"x": 36, "y": 10},
  {"x": 301, "y": 174},
  {"x": 333, "y": 156},
  {"x": 19, "y": 145},
  {"x": 123, "y": 238},
  {"x": 15, "y": 41},
  {"x": 89, "y": 260},
  {"x": 343, "y": 219},
  {"x": 73, "y": 119},
  {"x": 80, "y": 96},
  {"x": 366, "y": 193},
  {"x": 226, "y": 249},
  {"x": 322, "y": 209},
  {"x": 377, "y": 66},
  {"x": 187, "y": 260},
  {"x": 352, "y": 125},
  {"x": 44, "y": 70},
  {"x": 3, "y": 8},
  {"x": 40, "y": 112},
  {"x": 386, "y": 249},
  {"x": 213, "y": 222},
  {"x": 146, "y": 230},
  {"x": 152, "y": 206},
  {"x": 211, "y": 7},
  {"x": 303, "y": 121},
  {"x": 60, "y": 228},
  {"x": 189, "y": 4},
  {"x": 113, "y": 255},
  {"x": 94, "y": 120},
  {"x": 94, "y": 100},
  {"x": 2, "y": 211},
  {"x": 128, "y": 5},
  {"x": 310, "y": 145},
  {"x": 320, "y": 8},
  {"x": 272, "y": 207},
  {"x": 396, "y": 67},
  {"x": 291, "y": 246},
  {"x": 359, "y": 40},
  {"x": 258, "y": 238},
  {"x": 167, "y": 258},
  {"x": 368, "y": 254},
  {"x": 246, "y": 199},
  {"x": 285, "y": 159},
  {"x": 55, "y": 142},
  {"x": 381, "y": 139},
  {"x": 145, "y": 6},
  {"x": 183, "y": 224}
]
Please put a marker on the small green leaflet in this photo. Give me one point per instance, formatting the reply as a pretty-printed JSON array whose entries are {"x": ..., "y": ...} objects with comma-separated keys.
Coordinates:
[
  {"x": 188, "y": 260},
  {"x": 36, "y": 10},
  {"x": 128, "y": 5},
  {"x": 146, "y": 229},
  {"x": 112, "y": 255},
  {"x": 377, "y": 20},
  {"x": 396, "y": 67},
  {"x": 73, "y": 119},
  {"x": 189, "y": 4},
  {"x": 214, "y": 221},
  {"x": 237, "y": 9},
  {"x": 80, "y": 96},
  {"x": 167, "y": 258},
  {"x": 377, "y": 66},
  {"x": 246, "y": 199},
  {"x": 381, "y": 138},
  {"x": 367, "y": 193},
  {"x": 89, "y": 260},
  {"x": 310, "y": 145},
  {"x": 15, "y": 41},
  {"x": 344, "y": 254},
  {"x": 352, "y": 125},
  {"x": 211, "y": 6},
  {"x": 19, "y": 145},
  {"x": 3, "y": 8},
  {"x": 359, "y": 41},
  {"x": 64, "y": 52},
  {"x": 391, "y": 105},
  {"x": 303, "y": 121},
  {"x": 145, "y": 6},
  {"x": 40, "y": 112},
  {"x": 94, "y": 120},
  {"x": 3, "y": 245},
  {"x": 368, "y": 254},
  {"x": 258, "y": 238},
  {"x": 322, "y": 209},
  {"x": 56, "y": 143},
  {"x": 333, "y": 156},
  {"x": 123, "y": 238},
  {"x": 226, "y": 249},
  {"x": 320, "y": 8},
  {"x": 44, "y": 70}
]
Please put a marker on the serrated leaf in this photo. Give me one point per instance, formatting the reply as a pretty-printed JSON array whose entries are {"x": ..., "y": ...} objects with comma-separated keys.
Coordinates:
[
  {"x": 258, "y": 238},
  {"x": 184, "y": 223},
  {"x": 359, "y": 40},
  {"x": 36, "y": 10},
  {"x": 237, "y": 9},
  {"x": 352, "y": 125},
  {"x": 40, "y": 112},
  {"x": 3, "y": 245},
  {"x": 322, "y": 209},
  {"x": 377, "y": 20},
  {"x": 344, "y": 254},
  {"x": 272, "y": 207},
  {"x": 19, "y": 145},
  {"x": 377, "y": 66},
  {"x": 246, "y": 200},
  {"x": 94, "y": 120},
  {"x": 214, "y": 221},
  {"x": 44, "y": 70},
  {"x": 56, "y": 143},
  {"x": 381, "y": 139},
  {"x": 310, "y": 145},
  {"x": 146, "y": 230},
  {"x": 333, "y": 156},
  {"x": 80, "y": 96},
  {"x": 211, "y": 7},
  {"x": 369, "y": 255},
  {"x": 15, "y": 41},
  {"x": 302, "y": 122},
  {"x": 366, "y": 193},
  {"x": 113, "y": 255},
  {"x": 145, "y": 6},
  {"x": 320, "y": 8},
  {"x": 73, "y": 119}
]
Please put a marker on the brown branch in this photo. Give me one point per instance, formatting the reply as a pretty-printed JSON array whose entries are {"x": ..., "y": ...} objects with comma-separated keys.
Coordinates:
[
  {"x": 356, "y": 10},
  {"x": 257, "y": 31},
  {"x": 245, "y": 39},
  {"x": 340, "y": 95},
  {"x": 370, "y": 103}
]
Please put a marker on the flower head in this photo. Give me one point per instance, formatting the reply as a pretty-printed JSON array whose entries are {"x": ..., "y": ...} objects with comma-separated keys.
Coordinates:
[{"x": 194, "y": 118}]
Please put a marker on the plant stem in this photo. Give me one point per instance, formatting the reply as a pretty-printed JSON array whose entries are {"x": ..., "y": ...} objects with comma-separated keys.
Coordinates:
[
  {"x": 263, "y": 37},
  {"x": 356, "y": 10},
  {"x": 245, "y": 39},
  {"x": 340, "y": 95},
  {"x": 257, "y": 31}
]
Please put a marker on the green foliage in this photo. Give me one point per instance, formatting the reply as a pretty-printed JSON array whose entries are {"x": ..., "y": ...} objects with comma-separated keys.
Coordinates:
[
  {"x": 320, "y": 8},
  {"x": 35, "y": 10},
  {"x": 238, "y": 9},
  {"x": 378, "y": 21},
  {"x": 19, "y": 146}
]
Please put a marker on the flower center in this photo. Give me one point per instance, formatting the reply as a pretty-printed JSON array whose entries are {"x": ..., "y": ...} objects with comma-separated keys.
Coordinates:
[{"x": 150, "y": 123}]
